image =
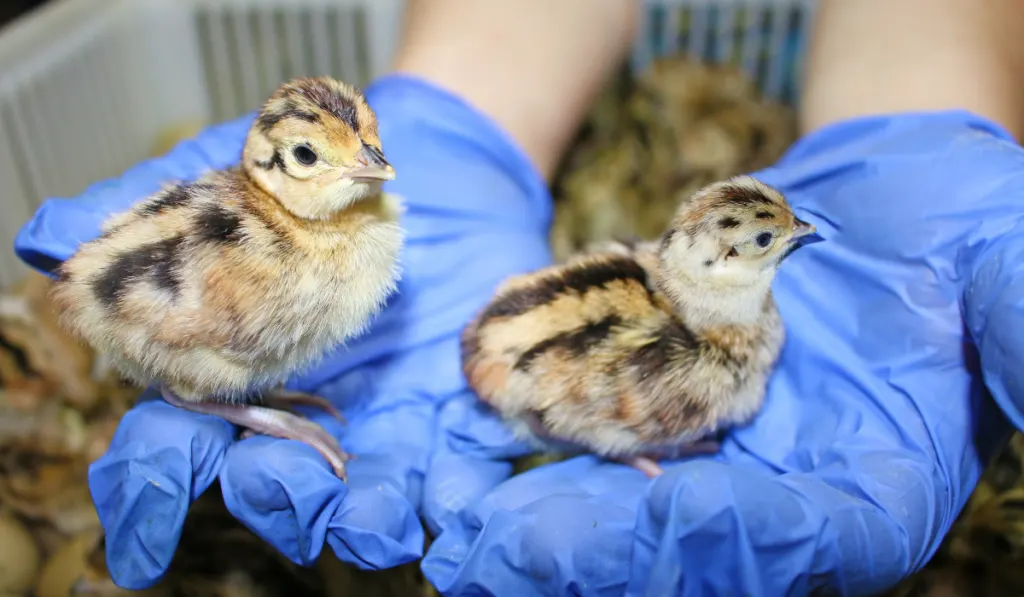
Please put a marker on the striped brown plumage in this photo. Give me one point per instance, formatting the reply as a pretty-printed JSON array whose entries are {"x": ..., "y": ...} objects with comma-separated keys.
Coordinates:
[
  {"x": 220, "y": 289},
  {"x": 646, "y": 348}
]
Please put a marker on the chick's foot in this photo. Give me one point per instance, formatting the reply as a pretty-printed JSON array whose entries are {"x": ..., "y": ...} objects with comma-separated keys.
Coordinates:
[
  {"x": 649, "y": 467},
  {"x": 645, "y": 465},
  {"x": 272, "y": 422}
]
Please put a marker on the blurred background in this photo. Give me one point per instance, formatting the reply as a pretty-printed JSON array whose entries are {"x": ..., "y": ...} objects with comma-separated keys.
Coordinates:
[{"x": 90, "y": 87}]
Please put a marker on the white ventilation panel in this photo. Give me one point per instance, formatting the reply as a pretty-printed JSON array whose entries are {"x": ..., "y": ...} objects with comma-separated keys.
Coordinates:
[{"x": 88, "y": 86}]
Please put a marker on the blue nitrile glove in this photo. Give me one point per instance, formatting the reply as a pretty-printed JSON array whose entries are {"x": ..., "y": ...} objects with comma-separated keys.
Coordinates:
[
  {"x": 876, "y": 424},
  {"x": 476, "y": 212}
]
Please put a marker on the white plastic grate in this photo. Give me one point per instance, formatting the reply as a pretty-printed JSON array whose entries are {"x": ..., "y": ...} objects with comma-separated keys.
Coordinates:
[
  {"x": 763, "y": 37},
  {"x": 249, "y": 47},
  {"x": 88, "y": 86}
]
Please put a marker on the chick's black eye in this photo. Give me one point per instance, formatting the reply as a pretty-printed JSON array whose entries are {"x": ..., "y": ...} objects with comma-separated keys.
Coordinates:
[
  {"x": 304, "y": 155},
  {"x": 764, "y": 239}
]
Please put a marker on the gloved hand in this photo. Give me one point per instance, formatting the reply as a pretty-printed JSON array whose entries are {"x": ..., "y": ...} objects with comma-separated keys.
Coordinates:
[
  {"x": 876, "y": 424},
  {"x": 476, "y": 212}
]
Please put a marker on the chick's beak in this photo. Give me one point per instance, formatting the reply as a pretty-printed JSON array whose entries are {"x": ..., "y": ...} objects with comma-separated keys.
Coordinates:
[
  {"x": 802, "y": 228},
  {"x": 371, "y": 166},
  {"x": 804, "y": 233}
]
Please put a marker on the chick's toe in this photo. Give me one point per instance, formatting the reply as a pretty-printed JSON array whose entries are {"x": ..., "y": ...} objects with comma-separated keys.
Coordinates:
[
  {"x": 275, "y": 423},
  {"x": 645, "y": 465}
]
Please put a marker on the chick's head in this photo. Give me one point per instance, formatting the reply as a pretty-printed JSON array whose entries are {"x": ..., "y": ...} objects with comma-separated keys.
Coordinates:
[
  {"x": 730, "y": 234},
  {"x": 314, "y": 146}
]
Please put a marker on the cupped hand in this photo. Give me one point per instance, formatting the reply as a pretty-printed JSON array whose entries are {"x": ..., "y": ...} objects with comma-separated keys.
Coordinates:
[
  {"x": 475, "y": 212},
  {"x": 899, "y": 378}
]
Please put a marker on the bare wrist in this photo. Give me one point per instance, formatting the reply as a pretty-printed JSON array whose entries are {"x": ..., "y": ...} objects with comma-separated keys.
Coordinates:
[
  {"x": 534, "y": 66},
  {"x": 875, "y": 57}
]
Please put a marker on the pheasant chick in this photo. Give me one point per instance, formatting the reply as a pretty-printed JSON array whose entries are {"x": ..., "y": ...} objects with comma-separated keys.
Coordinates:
[
  {"x": 642, "y": 350},
  {"x": 222, "y": 288}
]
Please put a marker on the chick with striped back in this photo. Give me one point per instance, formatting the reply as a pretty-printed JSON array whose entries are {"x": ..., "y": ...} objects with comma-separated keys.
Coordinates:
[{"x": 641, "y": 351}]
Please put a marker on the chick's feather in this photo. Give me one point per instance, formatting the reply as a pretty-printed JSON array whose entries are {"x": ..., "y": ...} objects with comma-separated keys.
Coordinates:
[
  {"x": 590, "y": 352},
  {"x": 214, "y": 288}
]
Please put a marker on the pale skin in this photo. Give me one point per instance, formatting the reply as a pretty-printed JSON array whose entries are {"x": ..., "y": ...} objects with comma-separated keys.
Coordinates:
[
  {"x": 534, "y": 65},
  {"x": 877, "y": 57}
]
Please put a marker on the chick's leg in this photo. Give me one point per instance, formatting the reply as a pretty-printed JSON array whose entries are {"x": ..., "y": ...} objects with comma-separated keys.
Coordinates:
[
  {"x": 283, "y": 399},
  {"x": 272, "y": 422},
  {"x": 649, "y": 467},
  {"x": 645, "y": 465}
]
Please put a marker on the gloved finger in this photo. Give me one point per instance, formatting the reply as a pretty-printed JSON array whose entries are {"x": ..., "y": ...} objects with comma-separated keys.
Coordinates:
[
  {"x": 160, "y": 460},
  {"x": 467, "y": 462},
  {"x": 456, "y": 480},
  {"x": 371, "y": 521},
  {"x": 713, "y": 528},
  {"x": 702, "y": 528},
  {"x": 994, "y": 310},
  {"x": 560, "y": 529},
  {"x": 452, "y": 480},
  {"x": 469, "y": 426},
  {"x": 59, "y": 226}
]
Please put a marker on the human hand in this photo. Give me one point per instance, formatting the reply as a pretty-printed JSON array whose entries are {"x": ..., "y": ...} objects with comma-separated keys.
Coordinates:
[
  {"x": 876, "y": 425},
  {"x": 476, "y": 212}
]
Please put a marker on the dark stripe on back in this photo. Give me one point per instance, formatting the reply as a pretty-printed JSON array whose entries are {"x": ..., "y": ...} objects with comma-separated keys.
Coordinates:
[
  {"x": 576, "y": 279},
  {"x": 158, "y": 261},
  {"x": 575, "y": 341},
  {"x": 171, "y": 198},
  {"x": 674, "y": 344},
  {"x": 671, "y": 341},
  {"x": 217, "y": 225},
  {"x": 167, "y": 272}
]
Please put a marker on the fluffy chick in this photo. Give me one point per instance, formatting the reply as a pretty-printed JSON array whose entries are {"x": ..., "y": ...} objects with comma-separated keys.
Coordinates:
[
  {"x": 222, "y": 288},
  {"x": 642, "y": 350}
]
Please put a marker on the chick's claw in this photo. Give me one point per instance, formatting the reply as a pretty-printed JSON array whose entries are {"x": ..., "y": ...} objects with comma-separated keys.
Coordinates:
[{"x": 272, "y": 422}]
